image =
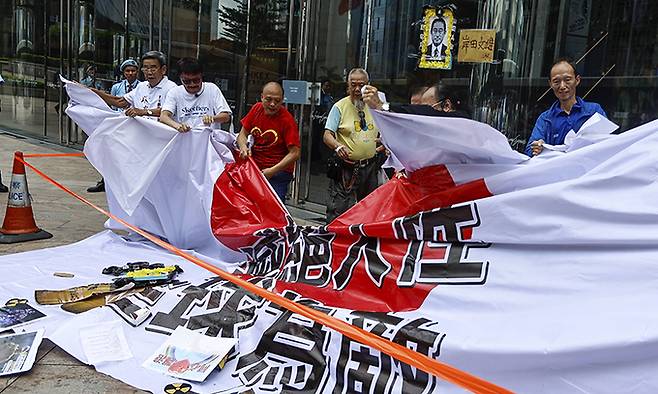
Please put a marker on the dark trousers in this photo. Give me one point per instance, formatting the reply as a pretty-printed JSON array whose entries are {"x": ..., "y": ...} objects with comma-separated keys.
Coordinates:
[
  {"x": 280, "y": 183},
  {"x": 353, "y": 183}
]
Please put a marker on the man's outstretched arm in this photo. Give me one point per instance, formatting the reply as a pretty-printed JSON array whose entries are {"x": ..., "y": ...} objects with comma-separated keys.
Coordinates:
[{"x": 115, "y": 101}]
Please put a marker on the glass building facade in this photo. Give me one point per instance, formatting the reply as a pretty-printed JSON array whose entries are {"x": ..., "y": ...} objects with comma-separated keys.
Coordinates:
[{"x": 245, "y": 43}]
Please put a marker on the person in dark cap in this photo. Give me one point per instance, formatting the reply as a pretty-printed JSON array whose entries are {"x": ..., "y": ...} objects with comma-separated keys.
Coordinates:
[
  {"x": 129, "y": 69},
  {"x": 90, "y": 78}
]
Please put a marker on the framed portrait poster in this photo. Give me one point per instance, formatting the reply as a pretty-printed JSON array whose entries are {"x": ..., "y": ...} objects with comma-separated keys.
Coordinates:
[{"x": 436, "y": 38}]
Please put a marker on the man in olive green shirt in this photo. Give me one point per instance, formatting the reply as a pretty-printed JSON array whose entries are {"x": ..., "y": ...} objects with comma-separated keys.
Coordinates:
[{"x": 351, "y": 133}]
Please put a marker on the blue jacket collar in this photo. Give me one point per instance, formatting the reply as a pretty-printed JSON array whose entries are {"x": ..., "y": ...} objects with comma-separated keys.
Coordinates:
[{"x": 556, "y": 109}]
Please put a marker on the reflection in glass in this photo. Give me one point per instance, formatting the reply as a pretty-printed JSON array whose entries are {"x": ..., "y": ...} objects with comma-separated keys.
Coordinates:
[
  {"x": 86, "y": 34},
  {"x": 24, "y": 28},
  {"x": 118, "y": 47},
  {"x": 506, "y": 94}
]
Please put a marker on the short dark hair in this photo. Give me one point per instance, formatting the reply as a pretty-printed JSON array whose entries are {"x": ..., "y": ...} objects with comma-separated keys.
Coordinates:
[
  {"x": 189, "y": 65},
  {"x": 438, "y": 19},
  {"x": 567, "y": 60},
  {"x": 156, "y": 55},
  {"x": 443, "y": 91}
]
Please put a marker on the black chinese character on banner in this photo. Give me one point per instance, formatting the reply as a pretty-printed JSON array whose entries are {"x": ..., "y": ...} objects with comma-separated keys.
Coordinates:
[
  {"x": 365, "y": 370},
  {"x": 290, "y": 355},
  {"x": 294, "y": 254},
  {"x": 438, "y": 252},
  {"x": 419, "y": 334},
  {"x": 229, "y": 309},
  {"x": 309, "y": 256},
  {"x": 267, "y": 254},
  {"x": 218, "y": 306},
  {"x": 366, "y": 249}
]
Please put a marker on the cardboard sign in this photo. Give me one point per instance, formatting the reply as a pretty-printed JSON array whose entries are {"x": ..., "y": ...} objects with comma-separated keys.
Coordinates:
[{"x": 476, "y": 46}]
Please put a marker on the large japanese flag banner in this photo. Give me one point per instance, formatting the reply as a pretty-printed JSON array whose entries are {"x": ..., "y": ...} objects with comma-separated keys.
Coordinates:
[{"x": 533, "y": 274}]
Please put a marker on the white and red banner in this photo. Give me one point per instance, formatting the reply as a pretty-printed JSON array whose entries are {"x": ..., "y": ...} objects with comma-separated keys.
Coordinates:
[{"x": 533, "y": 274}]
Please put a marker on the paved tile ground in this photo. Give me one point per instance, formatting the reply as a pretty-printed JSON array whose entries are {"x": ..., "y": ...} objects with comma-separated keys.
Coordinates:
[{"x": 68, "y": 220}]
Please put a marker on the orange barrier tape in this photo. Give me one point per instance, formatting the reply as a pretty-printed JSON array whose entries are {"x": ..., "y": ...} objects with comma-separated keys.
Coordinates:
[
  {"x": 54, "y": 155},
  {"x": 397, "y": 351}
]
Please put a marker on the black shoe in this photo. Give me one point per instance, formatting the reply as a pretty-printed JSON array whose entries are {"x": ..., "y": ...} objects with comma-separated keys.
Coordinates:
[{"x": 100, "y": 187}]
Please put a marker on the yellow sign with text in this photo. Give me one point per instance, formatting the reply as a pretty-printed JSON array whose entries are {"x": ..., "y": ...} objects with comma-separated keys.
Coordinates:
[{"x": 476, "y": 46}]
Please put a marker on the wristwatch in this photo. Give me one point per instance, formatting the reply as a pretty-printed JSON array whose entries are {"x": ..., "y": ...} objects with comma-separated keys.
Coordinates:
[
  {"x": 149, "y": 112},
  {"x": 386, "y": 107}
]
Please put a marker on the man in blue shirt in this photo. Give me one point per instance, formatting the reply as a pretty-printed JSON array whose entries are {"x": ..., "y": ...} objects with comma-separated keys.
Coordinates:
[
  {"x": 129, "y": 70},
  {"x": 90, "y": 78},
  {"x": 569, "y": 112}
]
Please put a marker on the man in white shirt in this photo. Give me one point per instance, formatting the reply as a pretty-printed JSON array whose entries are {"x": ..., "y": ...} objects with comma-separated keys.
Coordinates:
[
  {"x": 147, "y": 98},
  {"x": 195, "y": 103}
]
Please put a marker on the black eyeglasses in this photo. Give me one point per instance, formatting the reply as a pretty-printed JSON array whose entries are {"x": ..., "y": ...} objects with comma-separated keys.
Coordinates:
[
  {"x": 192, "y": 81},
  {"x": 362, "y": 120},
  {"x": 440, "y": 104},
  {"x": 150, "y": 68}
]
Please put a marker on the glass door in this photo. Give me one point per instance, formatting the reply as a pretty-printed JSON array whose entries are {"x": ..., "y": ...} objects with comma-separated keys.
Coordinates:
[{"x": 331, "y": 36}]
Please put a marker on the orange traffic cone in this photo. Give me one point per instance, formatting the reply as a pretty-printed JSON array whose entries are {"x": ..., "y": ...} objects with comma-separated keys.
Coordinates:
[{"x": 19, "y": 224}]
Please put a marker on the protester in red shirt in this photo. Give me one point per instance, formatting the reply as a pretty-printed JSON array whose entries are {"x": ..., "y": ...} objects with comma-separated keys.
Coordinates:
[{"x": 276, "y": 138}]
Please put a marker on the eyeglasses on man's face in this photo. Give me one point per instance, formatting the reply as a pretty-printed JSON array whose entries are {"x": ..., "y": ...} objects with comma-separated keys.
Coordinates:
[
  {"x": 150, "y": 68},
  {"x": 356, "y": 85},
  {"x": 191, "y": 81},
  {"x": 439, "y": 105}
]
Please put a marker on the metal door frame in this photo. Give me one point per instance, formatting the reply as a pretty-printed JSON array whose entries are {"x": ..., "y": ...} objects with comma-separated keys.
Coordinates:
[{"x": 309, "y": 16}]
